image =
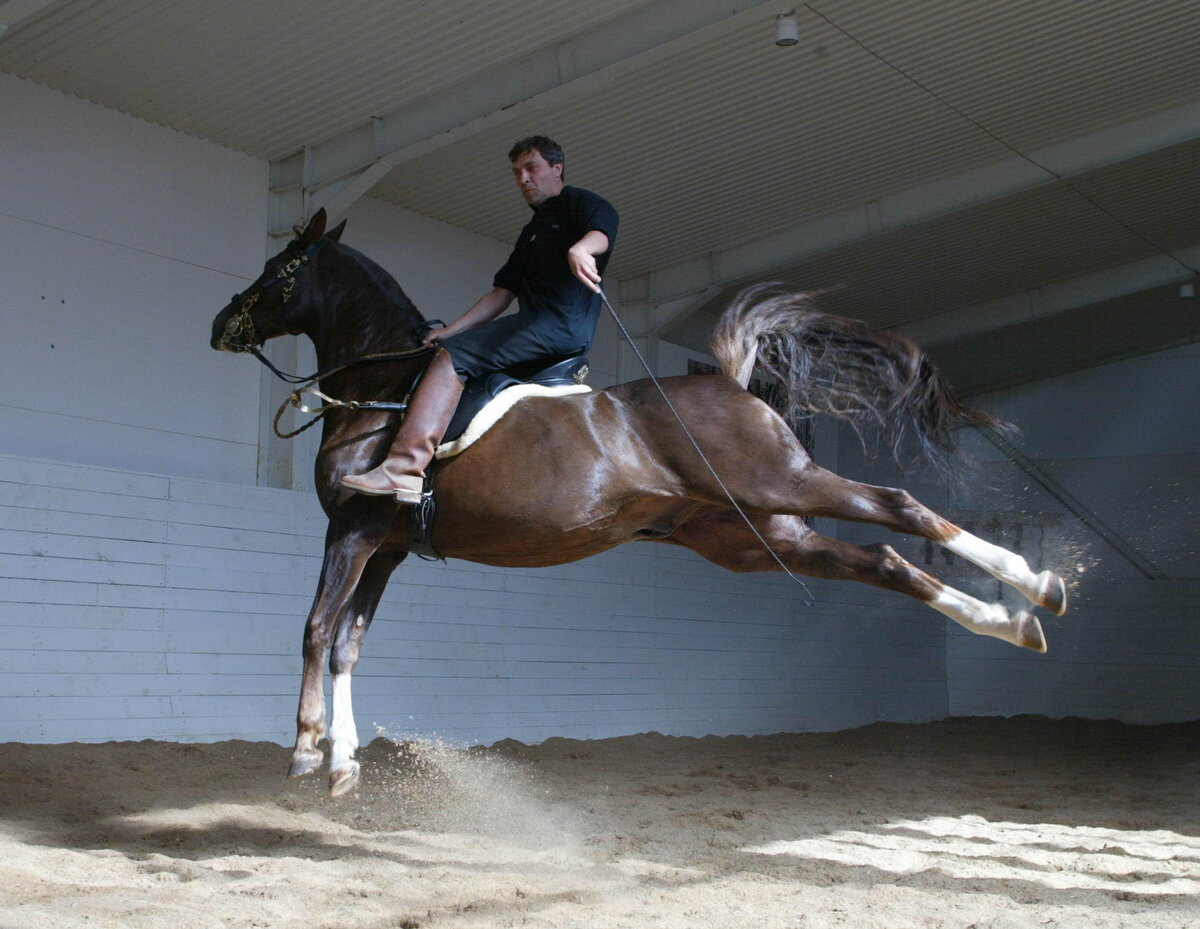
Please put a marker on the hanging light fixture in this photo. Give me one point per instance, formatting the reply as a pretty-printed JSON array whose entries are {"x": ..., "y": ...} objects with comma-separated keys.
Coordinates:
[{"x": 787, "y": 32}]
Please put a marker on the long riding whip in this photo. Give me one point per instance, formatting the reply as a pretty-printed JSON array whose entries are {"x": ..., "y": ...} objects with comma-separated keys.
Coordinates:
[{"x": 704, "y": 458}]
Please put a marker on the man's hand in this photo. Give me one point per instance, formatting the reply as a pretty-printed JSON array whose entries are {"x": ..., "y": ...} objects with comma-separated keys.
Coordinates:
[
  {"x": 583, "y": 266},
  {"x": 582, "y": 258},
  {"x": 486, "y": 308}
]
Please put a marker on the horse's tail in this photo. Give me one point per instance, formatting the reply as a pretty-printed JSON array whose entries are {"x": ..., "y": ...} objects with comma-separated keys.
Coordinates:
[{"x": 881, "y": 383}]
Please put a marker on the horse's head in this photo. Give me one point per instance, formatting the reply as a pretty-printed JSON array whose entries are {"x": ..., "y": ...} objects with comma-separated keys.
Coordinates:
[{"x": 273, "y": 305}]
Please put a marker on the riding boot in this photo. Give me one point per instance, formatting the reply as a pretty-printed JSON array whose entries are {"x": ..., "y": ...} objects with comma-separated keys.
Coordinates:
[{"x": 429, "y": 410}]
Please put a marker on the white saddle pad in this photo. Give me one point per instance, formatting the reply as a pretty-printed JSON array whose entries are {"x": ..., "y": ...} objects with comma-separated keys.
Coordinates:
[{"x": 490, "y": 414}]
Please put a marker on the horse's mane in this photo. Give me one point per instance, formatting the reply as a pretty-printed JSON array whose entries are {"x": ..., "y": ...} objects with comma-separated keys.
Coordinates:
[{"x": 383, "y": 281}]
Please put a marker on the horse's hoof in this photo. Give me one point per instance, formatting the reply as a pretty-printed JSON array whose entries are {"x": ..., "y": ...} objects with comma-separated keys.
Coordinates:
[
  {"x": 1052, "y": 593},
  {"x": 343, "y": 778},
  {"x": 1029, "y": 632},
  {"x": 304, "y": 762}
]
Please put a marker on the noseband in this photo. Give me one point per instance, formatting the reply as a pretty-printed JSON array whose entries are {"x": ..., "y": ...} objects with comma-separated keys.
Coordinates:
[{"x": 239, "y": 335}]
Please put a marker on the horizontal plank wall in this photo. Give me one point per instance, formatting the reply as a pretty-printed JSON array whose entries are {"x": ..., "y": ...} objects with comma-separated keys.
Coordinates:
[{"x": 140, "y": 606}]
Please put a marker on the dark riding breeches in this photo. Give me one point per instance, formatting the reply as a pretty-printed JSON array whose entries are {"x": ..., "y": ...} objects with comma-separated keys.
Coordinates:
[{"x": 504, "y": 344}]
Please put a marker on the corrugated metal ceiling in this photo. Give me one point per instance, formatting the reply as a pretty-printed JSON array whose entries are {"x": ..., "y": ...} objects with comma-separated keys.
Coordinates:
[
  {"x": 267, "y": 77},
  {"x": 738, "y": 139},
  {"x": 971, "y": 256},
  {"x": 708, "y": 145}
]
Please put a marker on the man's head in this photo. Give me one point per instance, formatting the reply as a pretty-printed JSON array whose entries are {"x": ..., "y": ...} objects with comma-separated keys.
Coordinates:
[{"x": 537, "y": 165}]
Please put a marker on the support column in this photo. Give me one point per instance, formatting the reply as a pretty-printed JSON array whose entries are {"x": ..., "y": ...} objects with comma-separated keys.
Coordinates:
[
  {"x": 628, "y": 366},
  {"x": 276, "y": 467}
]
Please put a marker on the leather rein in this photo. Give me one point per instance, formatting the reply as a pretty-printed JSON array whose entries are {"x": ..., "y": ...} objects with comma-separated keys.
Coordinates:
[{"x": 304, "y": 385}]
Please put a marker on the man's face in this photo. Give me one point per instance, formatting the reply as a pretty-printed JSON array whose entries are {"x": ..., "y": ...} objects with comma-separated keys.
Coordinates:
[{"x": 537, "y": 179}]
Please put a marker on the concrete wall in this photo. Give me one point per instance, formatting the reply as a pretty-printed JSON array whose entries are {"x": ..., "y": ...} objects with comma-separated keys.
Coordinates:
[
  {"x": 1123, "y": 441},
  {"x": 118, "y": 243}
]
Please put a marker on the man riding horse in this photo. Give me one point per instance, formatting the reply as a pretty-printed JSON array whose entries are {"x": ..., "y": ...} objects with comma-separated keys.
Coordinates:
[
  {"x": 614, "y": 464},
  {"x": 554, "y": 274}
]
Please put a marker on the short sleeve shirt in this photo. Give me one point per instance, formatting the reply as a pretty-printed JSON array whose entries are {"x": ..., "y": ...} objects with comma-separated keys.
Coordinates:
[{"x": 557, "y": 304}]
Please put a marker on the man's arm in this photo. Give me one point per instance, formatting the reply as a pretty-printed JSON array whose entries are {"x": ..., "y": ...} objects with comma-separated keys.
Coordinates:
[
  {"x": 486, "y": 308},
  {"x": 582, "y": 258}
]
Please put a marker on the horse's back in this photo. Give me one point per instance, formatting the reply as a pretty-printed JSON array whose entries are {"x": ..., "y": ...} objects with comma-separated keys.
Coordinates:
[
  {"x": 723, "y": 417},
  {"x": 587, "y": 455}
]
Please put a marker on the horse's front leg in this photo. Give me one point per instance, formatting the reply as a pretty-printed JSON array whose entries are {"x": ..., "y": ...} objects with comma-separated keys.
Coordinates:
[
  {"x": 346, "y": 555},
  {"x": 352, "y": 628}
]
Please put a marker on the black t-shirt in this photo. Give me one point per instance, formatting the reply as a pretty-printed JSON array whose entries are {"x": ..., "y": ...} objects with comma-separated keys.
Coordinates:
[{"x": 558, "y": 305}]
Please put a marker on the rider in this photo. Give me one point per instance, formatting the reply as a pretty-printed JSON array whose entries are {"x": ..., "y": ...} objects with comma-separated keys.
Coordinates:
[{"x": 554, "y": 275}]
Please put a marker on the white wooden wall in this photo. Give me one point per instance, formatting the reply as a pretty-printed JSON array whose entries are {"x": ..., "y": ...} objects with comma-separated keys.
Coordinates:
[
  {"x": 149, "y": 589},
  {"x": 141, "y": 606},
  {"x": 1124, "y": 440}
]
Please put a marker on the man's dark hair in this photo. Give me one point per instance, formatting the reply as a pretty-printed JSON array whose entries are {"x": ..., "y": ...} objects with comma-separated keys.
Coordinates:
[{"x": 544, "y": 145}]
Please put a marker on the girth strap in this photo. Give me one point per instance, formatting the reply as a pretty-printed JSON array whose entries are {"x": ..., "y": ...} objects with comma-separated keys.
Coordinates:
[{"x": 420, "y": 520}]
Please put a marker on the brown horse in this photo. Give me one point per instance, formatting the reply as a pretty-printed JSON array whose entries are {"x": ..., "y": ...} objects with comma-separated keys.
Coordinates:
[{"x": 621, "y": 466}]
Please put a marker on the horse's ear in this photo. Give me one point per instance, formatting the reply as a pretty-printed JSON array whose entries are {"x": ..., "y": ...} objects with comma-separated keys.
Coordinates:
[
  {"x": 315, "y": 228},
  {"x": 335, "y": 234}
]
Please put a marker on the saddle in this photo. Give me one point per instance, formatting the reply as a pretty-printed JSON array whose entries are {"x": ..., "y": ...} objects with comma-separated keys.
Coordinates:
[
  {"x": 477, "y": 394},
  {"x": 479, "y": 391}
]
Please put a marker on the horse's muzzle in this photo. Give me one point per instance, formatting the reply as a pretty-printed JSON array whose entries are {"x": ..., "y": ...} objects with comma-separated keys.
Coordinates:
[{"x": 232, "y": 329}]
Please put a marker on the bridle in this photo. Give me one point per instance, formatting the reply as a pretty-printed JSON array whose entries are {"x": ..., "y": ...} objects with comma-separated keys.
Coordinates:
[{"x": 239, "y": 334}]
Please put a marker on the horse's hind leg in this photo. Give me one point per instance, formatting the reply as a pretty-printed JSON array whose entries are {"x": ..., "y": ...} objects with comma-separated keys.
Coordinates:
[
  {"x": 823, "y": 493},
  {"x": 347, "y": 644},
  {"x": 725, "y": 539},
  {"x": 1046, "y": 588}
]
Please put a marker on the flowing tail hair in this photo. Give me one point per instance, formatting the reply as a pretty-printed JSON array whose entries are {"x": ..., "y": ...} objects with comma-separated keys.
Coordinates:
[{"x": 881, "y": 383}]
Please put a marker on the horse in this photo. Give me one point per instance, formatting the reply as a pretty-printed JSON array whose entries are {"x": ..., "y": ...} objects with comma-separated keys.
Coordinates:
[{"x": 621, "y": 466}]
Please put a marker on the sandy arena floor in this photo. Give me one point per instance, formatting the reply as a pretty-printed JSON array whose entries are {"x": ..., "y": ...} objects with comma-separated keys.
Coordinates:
[{"x": 968, "y": 823}]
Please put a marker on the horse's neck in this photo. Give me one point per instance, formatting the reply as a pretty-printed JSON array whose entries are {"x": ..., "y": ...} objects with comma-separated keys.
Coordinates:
[
  {"x": 356, "y": 316},
  {"x": 355, "y": 334}
]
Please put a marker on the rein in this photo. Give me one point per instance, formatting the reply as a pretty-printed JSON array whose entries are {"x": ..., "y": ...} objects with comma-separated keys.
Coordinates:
[
  {"x": 304, "y": 385},
  {"x": 696, "y": 445}
]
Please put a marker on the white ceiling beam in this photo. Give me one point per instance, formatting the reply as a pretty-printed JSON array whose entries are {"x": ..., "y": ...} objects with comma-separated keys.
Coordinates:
[
  {"x": 673, "y": 287},
  {"x": 14, "y": 12},
  {"x": 335, "y": 173},
  {"x": 1060, "y": 297}
]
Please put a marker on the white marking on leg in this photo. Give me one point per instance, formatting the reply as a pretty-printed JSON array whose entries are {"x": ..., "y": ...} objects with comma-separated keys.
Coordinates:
[
  {"x": 343, "y": 732},
  {"x": 981, "y": 618},
  {"x": 1002, "y": 564}
]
